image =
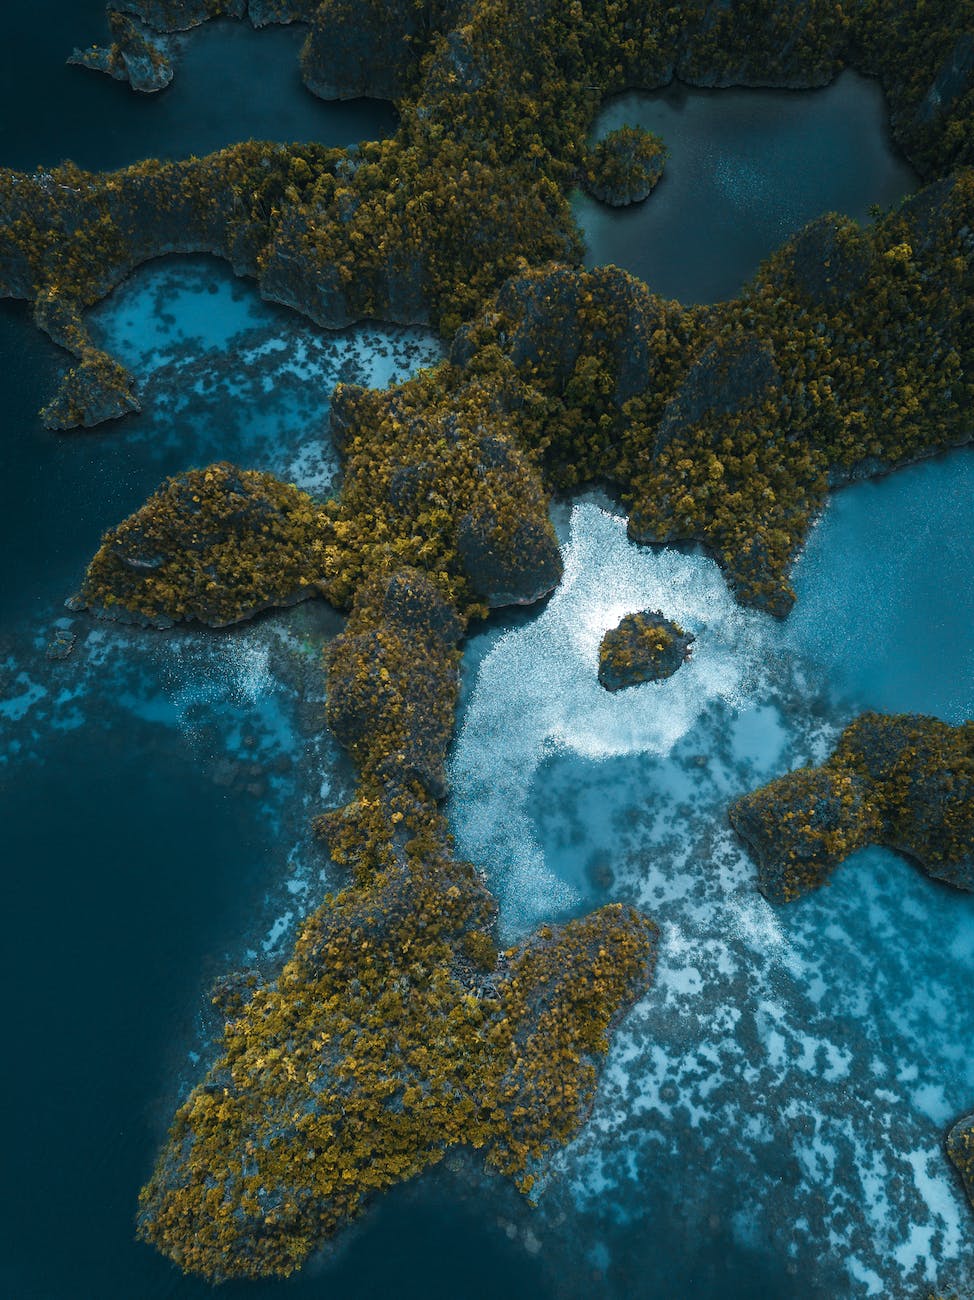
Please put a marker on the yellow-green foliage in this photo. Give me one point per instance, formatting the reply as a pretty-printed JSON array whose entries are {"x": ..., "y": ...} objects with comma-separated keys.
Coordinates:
[
  {"x": 903, "y": 781},
  {"x": 421, "y": 461},
  {"x": 391, "y": 1034},
  {"x": 644, "y": 647},
  {"x": 393, "y": 681},
  {"x": 625, "y": 166},
  {"x": 960, "y": 1148},
  {"x": 377, "y": 1049},
  {"x": 215, "y": 545},
  {"x": 494, "y": 118}
]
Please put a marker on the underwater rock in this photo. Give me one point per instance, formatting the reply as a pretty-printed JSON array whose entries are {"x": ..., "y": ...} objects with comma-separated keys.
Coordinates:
[
  {"x": 136, "y": 55},
  {"x": 215, "y": 546},
  {"x": 644, "y": 647},
  {"x": 905, "y": 782},
  {"x": 624, "y": 167}
]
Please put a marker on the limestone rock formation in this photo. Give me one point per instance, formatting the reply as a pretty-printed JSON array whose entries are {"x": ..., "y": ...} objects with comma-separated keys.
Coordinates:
[
  {"x": 904, "y": 781},
  {"x": 644, "y": 647},
  {"x": 625, "y": 166},
  {"x": 214, "y": 546}
]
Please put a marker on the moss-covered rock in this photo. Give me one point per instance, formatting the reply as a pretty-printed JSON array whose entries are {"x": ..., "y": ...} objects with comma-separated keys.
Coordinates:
[
  {"x": 644, "y": 647},
  {"x": 905, "y": 782},
  {"x": 625, "y": 166},
  {"x": 214, "y": 546}
]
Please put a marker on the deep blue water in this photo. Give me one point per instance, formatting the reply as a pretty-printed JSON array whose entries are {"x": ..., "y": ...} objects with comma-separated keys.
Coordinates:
[
  {"x": 747, "y": 168},
  {"x": 155, "y": 792},
  {"x": 231, "y": 84}
]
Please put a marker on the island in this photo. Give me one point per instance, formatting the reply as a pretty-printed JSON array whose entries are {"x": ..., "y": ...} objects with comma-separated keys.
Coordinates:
[
  {"x": 400, "y": 1026},
  {"x": 624, "y": 167},
  {"x": 903, "y": 781},
  {"x": 644, "y": 647}
]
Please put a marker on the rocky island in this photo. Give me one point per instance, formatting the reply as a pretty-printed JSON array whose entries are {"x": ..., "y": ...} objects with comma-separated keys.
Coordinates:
[
  {"x": 644, "y": 647},
  {"x": 625, "y": 167},
  {"x": 903, "y": 781}
]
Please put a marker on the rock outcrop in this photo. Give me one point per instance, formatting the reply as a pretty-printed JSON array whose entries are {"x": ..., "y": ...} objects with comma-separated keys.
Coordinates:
[
  {"x": 624, "y": 167},
  {"x": 213, "y": 546},
  {"x": 644, "y": 647},
  {"x": 136, "y": 55},
  {"x": 904, "y": 781}
]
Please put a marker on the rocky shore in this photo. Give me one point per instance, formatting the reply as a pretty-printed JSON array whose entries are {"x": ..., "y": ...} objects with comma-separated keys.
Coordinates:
[
  {"x": 645, "y": 647},
  {"x": 904, "y": 781}
]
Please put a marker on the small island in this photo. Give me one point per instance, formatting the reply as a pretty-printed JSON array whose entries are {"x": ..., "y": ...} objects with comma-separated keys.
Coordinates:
[
  {"x": 904, "y": 781},
  {"x": 624, "y": 167},
  {"x": 644, "y": 647}
]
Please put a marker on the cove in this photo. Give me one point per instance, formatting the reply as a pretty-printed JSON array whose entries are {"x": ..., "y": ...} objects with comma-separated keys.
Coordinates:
[
  {"x": 747, "y": 168},
  {"x": 232, "y": 83},
  {"x": 771, "y": 1114}
]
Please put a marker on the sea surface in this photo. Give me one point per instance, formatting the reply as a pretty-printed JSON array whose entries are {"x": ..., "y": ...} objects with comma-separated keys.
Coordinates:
[
  {"x": 747, "y": 168},
  {"x": 770, "y": 1114}
]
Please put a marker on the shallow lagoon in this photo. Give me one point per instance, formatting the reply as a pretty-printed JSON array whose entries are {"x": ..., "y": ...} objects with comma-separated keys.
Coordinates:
[
  {"x": 778, "y": 1098},
  {"x": 747, "y": 168}
]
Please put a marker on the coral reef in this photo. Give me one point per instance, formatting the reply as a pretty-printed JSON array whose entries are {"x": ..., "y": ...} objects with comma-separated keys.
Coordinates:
[
  {"x": 644, "y": 647},
  {"x": 904, "y": 781},
  {"x": 625, "y": 167}
]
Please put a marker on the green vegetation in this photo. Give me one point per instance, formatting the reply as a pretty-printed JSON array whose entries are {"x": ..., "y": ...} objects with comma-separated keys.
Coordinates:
[
  {"x": 904, "y": 781},
  {"x": 396, "y": 1030},
  {"x": 645, "y": 647},
  {"x": 213, "y": 545},
  {"x": 625, "y": 166}
]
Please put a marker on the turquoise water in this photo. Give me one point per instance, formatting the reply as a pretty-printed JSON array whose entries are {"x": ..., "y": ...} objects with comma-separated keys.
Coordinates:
[
  {"x": 785, "y": 1083},
  {"x": 747, "y": 168},
  {"x": 782, "y": 1090}
]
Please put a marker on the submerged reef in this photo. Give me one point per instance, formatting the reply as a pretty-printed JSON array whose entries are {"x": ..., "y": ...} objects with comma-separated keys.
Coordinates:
[
  {"x": 960, "y": 1147},
  {"x": 905, "y": 781},
  {"x": 624, "y": 167},
  {"x": 644, "y": 647},
  {"x": 396, "y": 1029}
]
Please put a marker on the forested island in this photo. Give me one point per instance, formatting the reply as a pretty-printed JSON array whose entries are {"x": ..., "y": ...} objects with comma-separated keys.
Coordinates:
[{"x": 399, "y": 1027}]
